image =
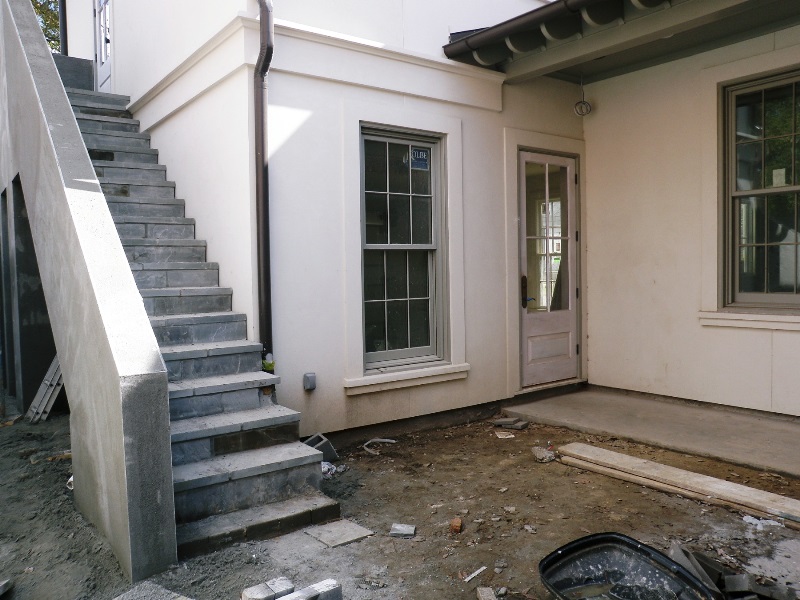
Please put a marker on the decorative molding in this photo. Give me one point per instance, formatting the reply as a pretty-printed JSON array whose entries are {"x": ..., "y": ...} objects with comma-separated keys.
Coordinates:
[
  {"x": 390, "y": 381},
  {"x": 750, "y": 320}
]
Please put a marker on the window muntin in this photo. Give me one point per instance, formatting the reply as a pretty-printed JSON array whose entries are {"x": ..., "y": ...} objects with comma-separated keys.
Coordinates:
[
  {"x": 763, "y": 183},
  {"x": 400, "y": 255}
]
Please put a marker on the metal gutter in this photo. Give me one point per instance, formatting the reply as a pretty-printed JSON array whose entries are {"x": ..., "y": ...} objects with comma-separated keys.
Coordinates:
[
  {"x": 267, "y": 37},
  {"x": 525, "y": 22},
  {"x": 62, "y": 26}
]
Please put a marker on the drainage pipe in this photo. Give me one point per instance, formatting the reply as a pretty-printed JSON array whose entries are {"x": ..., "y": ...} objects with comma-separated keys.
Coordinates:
[
  {"x": 267, "y": 36},
  {"x": 62, "y": 26}
]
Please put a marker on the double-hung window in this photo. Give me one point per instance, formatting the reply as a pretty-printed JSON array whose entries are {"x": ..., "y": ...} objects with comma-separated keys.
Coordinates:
[
  {"x": 762, "y": 184},
  {"x": 402, "y": 258}
]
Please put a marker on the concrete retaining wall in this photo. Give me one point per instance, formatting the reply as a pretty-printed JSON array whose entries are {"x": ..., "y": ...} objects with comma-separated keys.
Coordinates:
[{"x": 113, "y": 371}]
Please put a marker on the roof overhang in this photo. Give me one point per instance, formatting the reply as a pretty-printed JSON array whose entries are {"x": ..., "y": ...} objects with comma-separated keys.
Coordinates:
[{"x": 590, "y": 40}]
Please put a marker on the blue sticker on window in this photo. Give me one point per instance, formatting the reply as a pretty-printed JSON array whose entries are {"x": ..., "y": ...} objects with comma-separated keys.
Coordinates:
[{"x": 421, "y": 159}]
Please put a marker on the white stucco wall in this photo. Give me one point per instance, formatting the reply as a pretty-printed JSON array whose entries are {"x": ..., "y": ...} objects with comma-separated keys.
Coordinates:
[{"x": 652, "y": 239}]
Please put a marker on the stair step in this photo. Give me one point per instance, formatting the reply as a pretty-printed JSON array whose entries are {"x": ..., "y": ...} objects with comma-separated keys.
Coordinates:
[
  {"x": 246, "y": 479},
  {"x": 199, "y": 328},
  {"x": 211, "y": 359},
  {"x": 78, "y": 94},
  {"x": 186, "y": 300},
  {"x": 130, "y": 172},
  {"x": 175, "y": 274},
  {"x": 146, "y": 207},
  {"x": 105, "y": 140},
  {"x": 206, "y": 437},
  {"x": 146, "y": 250},
  {"x": 256, "y": 523},
  {"x": 124, "y": 154},
  {"x": 87, "y": 122},
  {"x": 157, "y": 228},
  {"x": 214, "y": 395},
  {"x": 122, "y": 186}
]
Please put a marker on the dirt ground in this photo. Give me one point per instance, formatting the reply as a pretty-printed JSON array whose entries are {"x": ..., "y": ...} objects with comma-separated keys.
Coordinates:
[{"x": 514, "y": 510}]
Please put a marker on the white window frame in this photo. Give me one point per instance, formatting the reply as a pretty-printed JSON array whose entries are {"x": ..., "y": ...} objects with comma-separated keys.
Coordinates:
[{"x": 450, "y": 362}]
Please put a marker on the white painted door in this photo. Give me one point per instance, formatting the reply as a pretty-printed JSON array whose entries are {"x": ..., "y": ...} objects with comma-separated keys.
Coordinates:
[
  {"x": 102, "y": 22},
  {"x": 548, "y": 265}
]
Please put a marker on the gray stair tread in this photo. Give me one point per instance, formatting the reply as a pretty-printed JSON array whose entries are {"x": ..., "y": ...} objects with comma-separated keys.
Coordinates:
[
  {"x": 143, "y": 200},
  {"x": 119, "y": 164},
  {"x": 106, "y": 119},
  {"x": 240, "y": 465},
  {"x": 185, "y": 291},
  {"x": 121, "y": 180},
  {"x": 99, "y": 95},
  {"x": 158, "y": 242},
  {"x": 153, "y": 220},
  {"x": 174, "y": 266},
  {"x": 114, "y": 133},
  {"x": 235, "y": 525},
  {"x": 122, "y": 148},
  {"x": 209, "y": 349},
  {"x": 196, "y": 318},
  {"x": 231, "y": 422},
  {"x": 221, "y": 383}
]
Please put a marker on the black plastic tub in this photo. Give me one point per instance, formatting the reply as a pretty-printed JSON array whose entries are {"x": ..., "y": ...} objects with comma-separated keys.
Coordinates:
[{"x": 612, "y": 566}]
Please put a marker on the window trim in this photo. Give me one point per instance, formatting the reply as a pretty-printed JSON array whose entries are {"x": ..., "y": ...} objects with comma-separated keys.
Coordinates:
[
  {"x": 389, "y": 361},
  {"x": 731, "y": 298}
]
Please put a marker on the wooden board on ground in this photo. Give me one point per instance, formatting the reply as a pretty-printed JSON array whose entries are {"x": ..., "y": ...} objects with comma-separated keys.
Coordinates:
[
  {"x": 709, "y": 487},
  {"x": 46, "y": 395}
]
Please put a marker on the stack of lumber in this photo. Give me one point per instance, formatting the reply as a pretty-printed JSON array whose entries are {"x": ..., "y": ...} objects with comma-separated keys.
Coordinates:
[{"x": 685, "y": 483}]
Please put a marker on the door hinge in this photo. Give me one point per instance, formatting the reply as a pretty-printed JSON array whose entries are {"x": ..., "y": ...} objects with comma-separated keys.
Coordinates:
[
  {"x": 577, "y": 348},
  {"x": 577, "y": 292},
  {"x": 576, "y": 179},
  {"x": 577, "y": 236}
]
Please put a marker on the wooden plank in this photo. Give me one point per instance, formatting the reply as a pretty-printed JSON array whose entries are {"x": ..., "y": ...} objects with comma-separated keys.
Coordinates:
[
  {"x": 42, "y": 394},
  {"x": 766, "y": 502},
  {"x": 670, "y": 489}
]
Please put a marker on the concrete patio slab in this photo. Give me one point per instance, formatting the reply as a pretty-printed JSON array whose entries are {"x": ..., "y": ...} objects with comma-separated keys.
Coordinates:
[{"x": 338, "y": 533}]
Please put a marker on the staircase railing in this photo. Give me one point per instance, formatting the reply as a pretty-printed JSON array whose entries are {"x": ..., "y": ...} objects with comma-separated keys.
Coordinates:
[{"x": 113, "y": 371}]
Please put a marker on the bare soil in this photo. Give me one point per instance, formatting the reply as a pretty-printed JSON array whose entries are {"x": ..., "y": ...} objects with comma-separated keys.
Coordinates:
[{"x": 426, "y": 479}]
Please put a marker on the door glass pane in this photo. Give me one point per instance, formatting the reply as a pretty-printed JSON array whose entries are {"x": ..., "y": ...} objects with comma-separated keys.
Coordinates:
[
  {"x": 780, "y": 219},
  {"x": 559, "y": 275},
  {"x": 396, "y": 275},
  {"x": 748, "y": 117},
  {"x": 373, "y": 275},
  {"x": 537, "y": 275},
  {"x": 421, "y": 220},
  {"x": 778, "y": 111},
  {"x": 748, "y": 166},
  {"x": 752, "y": 275},
  {"x": 398, "y": 168},
  {"x": 418, "y": 274},
  {"x": 374, "y": 326},
  {"x": 752, "y": 221},
  {"x": 535, "y": 203},
  {"x": 419, "y": 323},
  {"x": 377, "y": 219},
  {"x": 557, "y": 221},
  {"x": 781, "y": 268},
  {"x": 374, "y": 166},
  {"x": 397, "y": 324},
  {"x": 778, "y": 162},
  {"x": 399, "y": 220}
]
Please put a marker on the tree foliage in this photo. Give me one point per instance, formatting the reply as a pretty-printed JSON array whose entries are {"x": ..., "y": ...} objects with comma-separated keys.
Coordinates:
[{"x": 47, "y": 14}]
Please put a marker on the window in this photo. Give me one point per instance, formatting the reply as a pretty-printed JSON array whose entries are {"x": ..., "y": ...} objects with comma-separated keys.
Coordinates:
[
  {"x": 762, "y": 185},
  {"x": 402, "y": 266}
]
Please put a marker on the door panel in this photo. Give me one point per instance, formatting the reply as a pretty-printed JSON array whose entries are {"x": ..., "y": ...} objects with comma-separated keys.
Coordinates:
[
  {"x": 548, "y": 286},
  {"x": 102, "y": 28}
]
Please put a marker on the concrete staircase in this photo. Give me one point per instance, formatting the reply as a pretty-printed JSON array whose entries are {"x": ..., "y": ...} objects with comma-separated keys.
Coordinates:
[{"x": 239, "y": 471}]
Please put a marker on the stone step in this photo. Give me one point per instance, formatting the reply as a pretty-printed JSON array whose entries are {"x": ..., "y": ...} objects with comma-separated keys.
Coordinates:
[
  {"x": 145, "y": 207},
  {"x": 203, "y": 438},
  {"x": 186, "y": 300},
  {"x": 174, "y": 330},
  {"x": 130, "y": 171},
  {"x": 241, "y": 480},
  {"x": 81, "y": 95},
  {"x": 210, "y": 359},
  {"x": 214, "y": 395},
  {"x": 157, "y": 228},
  {"x": 124, "y": 154},
  {"x": 105, "y": 140},
  {"x": 98, "y": 108},
  {"x": 174, "y": 274},
  {"x": 118, "y": 186},
  {"x": 148, "y": 251},
  {"x": 258, "y": 523},
  {"x": 87, "y": 122}
]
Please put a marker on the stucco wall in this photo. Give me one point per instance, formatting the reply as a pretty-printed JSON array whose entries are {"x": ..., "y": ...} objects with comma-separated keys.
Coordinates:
[{"x": 652, "y": 239}]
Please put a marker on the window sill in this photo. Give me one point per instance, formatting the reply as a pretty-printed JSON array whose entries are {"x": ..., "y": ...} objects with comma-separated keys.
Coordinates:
[
  {"x": 750, "y": 320},
  {"x": 402, "y": 379}
]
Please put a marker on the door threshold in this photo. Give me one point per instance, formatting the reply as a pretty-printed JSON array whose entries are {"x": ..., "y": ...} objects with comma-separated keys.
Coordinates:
[{"x": 547, "y": 386}]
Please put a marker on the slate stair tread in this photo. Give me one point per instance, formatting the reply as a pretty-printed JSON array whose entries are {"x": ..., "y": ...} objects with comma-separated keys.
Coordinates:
[
  {"x": 221, "y": 383},
  {"x": 143, "y": 200},
  {"x": 161, "y": 242},
  {"x": 209, "y": 349},
  {"x": 121, "y": 164},
  {"x": 154, "y": 220},
  {"x": 123, "y": 148},
  {"x": 107, "y": 119},
  {"x": 122, "y": 134},
  {"x": 173, "y": 266},
  {"x": 231, "y": 422},
  {"x": 240, "y": 465},
  {"x": 185, "y": 291},
  {"x": 255, "y": 523},
  {"x": 122, "y": 180},
  {"x": 107, "y": 96}
]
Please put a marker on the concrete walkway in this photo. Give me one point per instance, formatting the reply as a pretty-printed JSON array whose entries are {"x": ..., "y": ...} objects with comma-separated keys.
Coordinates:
[{"x": 753, "y": 439}]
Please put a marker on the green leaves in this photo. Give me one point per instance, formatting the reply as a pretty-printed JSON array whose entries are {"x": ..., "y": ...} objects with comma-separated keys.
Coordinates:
[{"x": 47, "y": 14}]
